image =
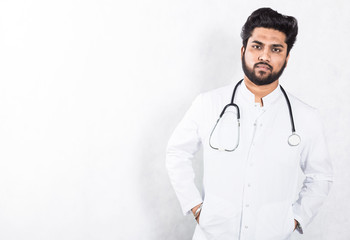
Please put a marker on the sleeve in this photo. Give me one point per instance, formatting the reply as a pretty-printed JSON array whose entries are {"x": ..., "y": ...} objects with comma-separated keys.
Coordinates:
[
  {"x": 181, "y": 148},
  {"x": 317, "y": 167}
]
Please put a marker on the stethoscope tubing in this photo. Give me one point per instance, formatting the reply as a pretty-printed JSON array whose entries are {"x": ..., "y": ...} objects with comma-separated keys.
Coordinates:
[
  {"x": 238, "y": 114},
  {"x": 289, "y": 108},
  {"x": 293, "y": 139}
]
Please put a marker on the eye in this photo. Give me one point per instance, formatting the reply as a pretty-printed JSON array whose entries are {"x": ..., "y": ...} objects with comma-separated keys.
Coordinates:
[
  {"x": 277, "y": 50},
  {"x": 256, "y": 47}
]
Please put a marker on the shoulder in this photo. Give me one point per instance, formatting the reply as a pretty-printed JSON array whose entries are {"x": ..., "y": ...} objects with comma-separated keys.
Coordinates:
[
  {"x": 217, "y": 95},
  {"x": 300, "y": 106},
  {"x": 214, "y": 97},
  {"x": 306, "y": 117}
]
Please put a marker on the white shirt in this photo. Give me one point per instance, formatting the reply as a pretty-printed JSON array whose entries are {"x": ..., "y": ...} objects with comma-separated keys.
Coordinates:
[{"x": 252, "y": 192}]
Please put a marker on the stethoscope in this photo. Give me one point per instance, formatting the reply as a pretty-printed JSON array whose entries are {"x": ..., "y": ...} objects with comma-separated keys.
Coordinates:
[{"x": 293, "y": 140}]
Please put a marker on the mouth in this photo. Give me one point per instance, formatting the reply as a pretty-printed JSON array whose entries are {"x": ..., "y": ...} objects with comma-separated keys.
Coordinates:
[{"x": 263, "y": 66}]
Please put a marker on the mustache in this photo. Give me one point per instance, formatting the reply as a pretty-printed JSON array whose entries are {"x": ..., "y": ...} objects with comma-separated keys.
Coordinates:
[{"x": 262, "y": 63}]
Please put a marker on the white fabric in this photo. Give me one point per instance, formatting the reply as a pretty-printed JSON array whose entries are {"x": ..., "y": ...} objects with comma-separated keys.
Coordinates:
[{"x": 250, "y": 193}]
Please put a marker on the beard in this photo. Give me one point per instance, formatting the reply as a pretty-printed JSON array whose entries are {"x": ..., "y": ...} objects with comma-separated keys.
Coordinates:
[{"x": 261, "y": 78}]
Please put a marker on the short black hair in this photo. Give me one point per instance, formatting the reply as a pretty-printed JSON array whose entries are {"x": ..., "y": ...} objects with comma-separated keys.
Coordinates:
[{"x": 269, "y": 18}]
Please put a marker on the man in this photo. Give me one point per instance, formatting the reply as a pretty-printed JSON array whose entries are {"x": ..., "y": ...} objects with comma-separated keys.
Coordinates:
[{"x": 251, "y": 191}]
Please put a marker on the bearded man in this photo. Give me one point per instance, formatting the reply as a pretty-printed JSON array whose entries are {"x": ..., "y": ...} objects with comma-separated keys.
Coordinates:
[{"x": 253, "y": 147}]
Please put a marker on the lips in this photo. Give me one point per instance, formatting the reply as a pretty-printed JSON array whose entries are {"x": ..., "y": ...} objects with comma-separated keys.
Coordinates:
[{"x": 263, "y": 66}]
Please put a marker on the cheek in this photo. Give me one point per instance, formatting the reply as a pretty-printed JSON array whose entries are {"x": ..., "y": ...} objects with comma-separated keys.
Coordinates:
[
  {"x": 280, "y": 62},
  {"x": 250, "y": 55},
  {"x": 250, "y": 59}
]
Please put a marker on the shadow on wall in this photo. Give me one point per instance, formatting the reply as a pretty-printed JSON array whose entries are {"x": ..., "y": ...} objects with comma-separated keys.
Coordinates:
[{"x": 216, "y": 65}]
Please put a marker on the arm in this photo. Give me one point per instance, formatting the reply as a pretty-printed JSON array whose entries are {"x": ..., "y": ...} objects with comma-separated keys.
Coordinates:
[
  {"x": 317, "y": 167},
  {"x": 182, "y": 146}
]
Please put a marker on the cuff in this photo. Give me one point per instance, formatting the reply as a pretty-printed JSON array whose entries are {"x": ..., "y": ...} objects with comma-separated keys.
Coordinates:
[
  {"x": 187, "y": 209},
  {"x": 299, "y": 227}
]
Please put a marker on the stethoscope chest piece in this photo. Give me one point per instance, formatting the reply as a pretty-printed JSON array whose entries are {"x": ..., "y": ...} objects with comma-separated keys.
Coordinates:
[{"x": 294, "y": 139}]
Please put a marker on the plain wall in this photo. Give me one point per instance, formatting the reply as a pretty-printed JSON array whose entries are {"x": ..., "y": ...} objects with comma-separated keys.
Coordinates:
[{"x": 90, "y": 92}]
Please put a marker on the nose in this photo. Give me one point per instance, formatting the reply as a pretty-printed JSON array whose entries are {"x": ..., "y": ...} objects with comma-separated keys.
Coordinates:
[{"x": 264, "y": 55}]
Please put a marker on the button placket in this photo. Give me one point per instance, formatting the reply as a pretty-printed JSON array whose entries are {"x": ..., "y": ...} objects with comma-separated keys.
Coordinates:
[
  {"x": 246, "y": 211},
  {"x": 247, "y": 217}
]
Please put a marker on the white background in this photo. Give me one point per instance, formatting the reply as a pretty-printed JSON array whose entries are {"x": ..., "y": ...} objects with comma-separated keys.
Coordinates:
[{"x": 90, "y": 92}]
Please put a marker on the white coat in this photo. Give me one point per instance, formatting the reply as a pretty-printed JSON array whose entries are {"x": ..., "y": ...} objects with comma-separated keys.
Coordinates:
[{"x": 251, "y": 193}]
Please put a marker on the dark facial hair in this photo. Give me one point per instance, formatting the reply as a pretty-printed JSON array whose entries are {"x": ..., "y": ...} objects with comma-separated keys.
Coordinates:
[{"x": 264, "y": 80}]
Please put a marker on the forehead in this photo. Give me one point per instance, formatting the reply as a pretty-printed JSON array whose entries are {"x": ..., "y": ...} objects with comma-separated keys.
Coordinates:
[{"x": 268, "y": 36}]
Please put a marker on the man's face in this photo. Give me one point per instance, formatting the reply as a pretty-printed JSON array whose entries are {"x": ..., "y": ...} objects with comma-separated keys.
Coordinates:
[{"x": 265, "y": 56}]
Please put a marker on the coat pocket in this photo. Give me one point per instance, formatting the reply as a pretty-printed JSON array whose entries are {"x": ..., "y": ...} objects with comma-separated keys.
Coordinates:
[
  {"x": 275, "y": 221},
  {"x": 218, "y": 218}
]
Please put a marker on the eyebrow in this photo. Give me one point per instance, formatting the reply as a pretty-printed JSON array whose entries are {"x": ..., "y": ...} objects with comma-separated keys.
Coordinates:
[
  {"x": 278, "y": 45},
  {"x": 273, "y": 45}
]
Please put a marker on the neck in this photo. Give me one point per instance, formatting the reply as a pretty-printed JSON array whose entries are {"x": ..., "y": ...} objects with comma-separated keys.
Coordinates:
[{"x": 260, "y": 91}]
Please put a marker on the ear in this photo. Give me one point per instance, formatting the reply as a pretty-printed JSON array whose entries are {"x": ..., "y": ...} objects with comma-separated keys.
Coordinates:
[{"x": 242, "y": 51}]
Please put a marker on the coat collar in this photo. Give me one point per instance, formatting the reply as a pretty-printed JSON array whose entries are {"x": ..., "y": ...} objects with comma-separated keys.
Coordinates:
[{"x": 267, "y": 100}]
